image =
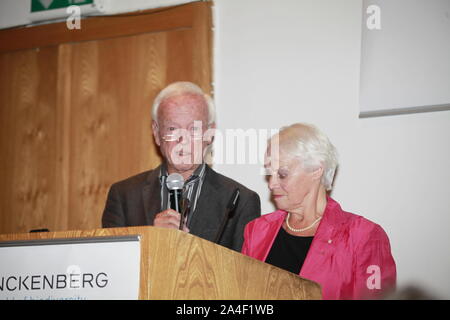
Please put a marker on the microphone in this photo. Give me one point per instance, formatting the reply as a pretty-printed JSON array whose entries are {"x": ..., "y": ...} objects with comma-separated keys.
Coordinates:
[
  {"x": 175, "y": 183},
  {"x": 229, "y": 210}
]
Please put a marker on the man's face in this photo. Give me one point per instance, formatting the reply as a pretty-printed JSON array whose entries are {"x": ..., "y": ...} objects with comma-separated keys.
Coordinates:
[{"x": 182, "y": 121}]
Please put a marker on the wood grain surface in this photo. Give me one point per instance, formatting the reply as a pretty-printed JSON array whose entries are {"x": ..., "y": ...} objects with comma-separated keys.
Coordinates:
[
  {"x": 177, "y": 265},
  {"x": 28, "y": 135}
]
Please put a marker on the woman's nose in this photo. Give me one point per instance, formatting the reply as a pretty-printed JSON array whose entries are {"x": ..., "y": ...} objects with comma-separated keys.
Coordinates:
[{"x": 273, "y": 183}]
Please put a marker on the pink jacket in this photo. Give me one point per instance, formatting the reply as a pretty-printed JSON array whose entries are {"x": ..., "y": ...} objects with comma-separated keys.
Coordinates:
[{"x": 350, "y": 256}]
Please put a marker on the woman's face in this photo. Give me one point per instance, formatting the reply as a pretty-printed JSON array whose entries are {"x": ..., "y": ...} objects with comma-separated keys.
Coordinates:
[{"x": 289, "y": 182}]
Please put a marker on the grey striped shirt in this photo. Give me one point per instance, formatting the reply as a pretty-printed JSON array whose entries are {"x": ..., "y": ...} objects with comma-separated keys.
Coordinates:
[{"x": 191, "y": 190}]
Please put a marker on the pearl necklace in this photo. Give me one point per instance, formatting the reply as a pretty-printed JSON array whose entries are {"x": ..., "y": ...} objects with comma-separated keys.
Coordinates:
[{"x": 299, "y": 230}]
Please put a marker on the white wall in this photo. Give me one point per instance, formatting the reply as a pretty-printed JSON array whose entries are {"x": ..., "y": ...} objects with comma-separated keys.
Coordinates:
[
  {"x": 14, "y": 13},
  {"x": 279, "y": 62}
]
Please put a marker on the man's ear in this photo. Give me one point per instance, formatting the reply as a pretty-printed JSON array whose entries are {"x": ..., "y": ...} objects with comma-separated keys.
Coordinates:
[
  {"x": 155, "y": 130},
  {"x": 210, "y": 133}
]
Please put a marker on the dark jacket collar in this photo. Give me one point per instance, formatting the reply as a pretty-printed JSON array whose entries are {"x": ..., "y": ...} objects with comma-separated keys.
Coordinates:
[{"x": 151, "y": 195}]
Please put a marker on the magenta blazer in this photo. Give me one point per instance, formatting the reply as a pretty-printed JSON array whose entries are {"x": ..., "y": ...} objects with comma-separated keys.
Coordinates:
[{"x": 350, "y": 256}]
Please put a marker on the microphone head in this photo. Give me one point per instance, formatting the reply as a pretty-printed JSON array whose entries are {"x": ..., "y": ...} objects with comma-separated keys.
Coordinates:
[{"x": 175, "y": 181}]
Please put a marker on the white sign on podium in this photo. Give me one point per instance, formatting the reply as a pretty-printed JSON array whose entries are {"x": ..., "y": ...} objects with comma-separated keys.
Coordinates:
[{"x": 70, "y": 269}]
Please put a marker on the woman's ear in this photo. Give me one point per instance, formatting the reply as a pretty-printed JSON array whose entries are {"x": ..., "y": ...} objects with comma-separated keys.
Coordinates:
[{"x": 317, "y": 173}]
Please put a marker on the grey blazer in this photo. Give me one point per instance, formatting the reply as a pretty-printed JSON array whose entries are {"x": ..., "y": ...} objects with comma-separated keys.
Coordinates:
[{"x": 135, "y": 202}]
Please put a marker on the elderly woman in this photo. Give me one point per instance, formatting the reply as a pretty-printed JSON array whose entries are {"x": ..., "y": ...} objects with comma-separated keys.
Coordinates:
[{"x": 309, "y": 234}]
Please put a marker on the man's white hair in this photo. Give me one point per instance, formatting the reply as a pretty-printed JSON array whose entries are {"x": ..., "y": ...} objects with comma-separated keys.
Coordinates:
[
  {"x": 312, "y": 147},
  {"x": 179, "y": 88}
]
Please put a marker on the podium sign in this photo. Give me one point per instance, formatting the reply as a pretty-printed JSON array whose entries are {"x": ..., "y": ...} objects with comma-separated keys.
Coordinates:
[{"x": 70, "y": 269}]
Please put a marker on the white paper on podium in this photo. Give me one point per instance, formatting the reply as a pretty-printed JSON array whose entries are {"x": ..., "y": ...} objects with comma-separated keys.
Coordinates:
[{"x": 77, "y": 269}]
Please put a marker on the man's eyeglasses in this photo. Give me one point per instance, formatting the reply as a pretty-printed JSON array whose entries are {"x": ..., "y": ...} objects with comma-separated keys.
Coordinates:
[{"x": 174, "y": 134}]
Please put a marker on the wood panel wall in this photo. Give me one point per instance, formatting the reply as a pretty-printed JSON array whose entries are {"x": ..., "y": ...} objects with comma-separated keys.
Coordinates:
[{"x": 75, "y": 109}]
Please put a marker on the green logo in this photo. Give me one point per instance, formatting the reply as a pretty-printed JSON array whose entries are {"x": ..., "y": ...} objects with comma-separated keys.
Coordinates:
[{"x": 44, "y": 5}]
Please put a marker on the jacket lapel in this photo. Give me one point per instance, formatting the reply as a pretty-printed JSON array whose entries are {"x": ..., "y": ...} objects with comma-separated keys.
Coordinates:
[
  {"x": 323, "y": 245},
  {"x": 272, "y": 233},
  {"x": 151, "y": 195},
  {"x": 209, "y": 213}
]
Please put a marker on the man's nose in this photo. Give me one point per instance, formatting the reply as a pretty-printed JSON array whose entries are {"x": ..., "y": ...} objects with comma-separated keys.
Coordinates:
[{"x": 183, "y": 136}]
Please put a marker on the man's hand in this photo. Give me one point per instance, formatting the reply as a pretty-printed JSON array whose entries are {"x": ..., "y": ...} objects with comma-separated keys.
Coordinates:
[{"x": 169, "y": 219}]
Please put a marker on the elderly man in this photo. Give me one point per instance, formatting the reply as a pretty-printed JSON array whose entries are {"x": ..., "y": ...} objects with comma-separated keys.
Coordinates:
[{"x": 183, "y": 127}]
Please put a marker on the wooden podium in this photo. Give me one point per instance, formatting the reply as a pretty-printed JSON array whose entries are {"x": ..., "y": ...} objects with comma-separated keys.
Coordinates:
[{"x": 176, "y": 265}]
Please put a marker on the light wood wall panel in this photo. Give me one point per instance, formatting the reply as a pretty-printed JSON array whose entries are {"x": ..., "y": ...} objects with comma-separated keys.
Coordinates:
[
  {"x": 28, "y": 136},
  {"x": 113, "y": 84},
  {"x": 76, "y": 117}
]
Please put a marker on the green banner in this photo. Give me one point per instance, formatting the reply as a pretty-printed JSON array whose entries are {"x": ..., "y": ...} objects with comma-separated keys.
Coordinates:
[{"x": 43, "y": 5}]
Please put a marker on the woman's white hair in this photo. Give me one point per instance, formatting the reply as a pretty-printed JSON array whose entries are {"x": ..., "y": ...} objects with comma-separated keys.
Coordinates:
[
  {"x": 183, "y": 87},
  {"x": 312, "y": 147}
]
